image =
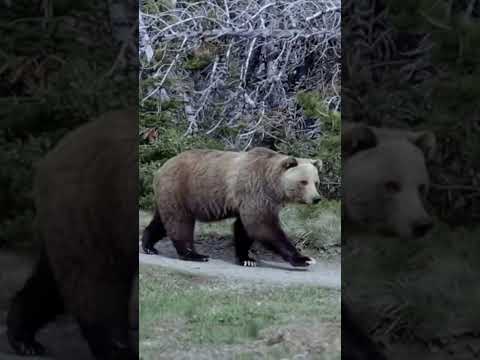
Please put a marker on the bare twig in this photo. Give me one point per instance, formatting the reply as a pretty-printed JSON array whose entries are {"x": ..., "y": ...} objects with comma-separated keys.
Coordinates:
[{"x": 244, "y": 61}]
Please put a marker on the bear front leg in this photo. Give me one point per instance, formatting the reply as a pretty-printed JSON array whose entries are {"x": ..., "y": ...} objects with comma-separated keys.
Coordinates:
[
  {"x": 269, "y": 232},
  {"x": 181, "y": 234},
  {"x": 34, "y": 306},
  {"x": 242, "y": 242}
]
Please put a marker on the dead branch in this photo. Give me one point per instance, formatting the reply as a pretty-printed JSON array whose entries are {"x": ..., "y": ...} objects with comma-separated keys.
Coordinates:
[{"x": 243, "y": 61}]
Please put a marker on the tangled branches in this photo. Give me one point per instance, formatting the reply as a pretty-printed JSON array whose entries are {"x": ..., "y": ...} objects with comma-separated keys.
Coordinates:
[{"x": 238, "y": 64}]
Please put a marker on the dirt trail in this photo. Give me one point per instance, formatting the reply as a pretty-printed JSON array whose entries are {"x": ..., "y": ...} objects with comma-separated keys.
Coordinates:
[
  {"x": 321, "y": 274},
  {"x": 270, "y": 268}
]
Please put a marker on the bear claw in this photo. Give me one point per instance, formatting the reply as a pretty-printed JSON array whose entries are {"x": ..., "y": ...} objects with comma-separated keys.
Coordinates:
[
  {"x": 28, "y": 348},
  {"x": 150, "y": 251},
  {"x": 250, "y": 263},
  {"x": 302, "y": 261}
]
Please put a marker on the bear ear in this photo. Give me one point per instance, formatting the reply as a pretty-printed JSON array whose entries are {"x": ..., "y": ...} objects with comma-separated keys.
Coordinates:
[
  {"x": 426, "y": 141},
  {"x": 289, "y": 163},
  {"x": 318, "y": 164},
  {"x": 357, "y": 138}
]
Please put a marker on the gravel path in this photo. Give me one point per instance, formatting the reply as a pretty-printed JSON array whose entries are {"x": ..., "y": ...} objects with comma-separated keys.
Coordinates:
[{"x": 321, "y": 274}]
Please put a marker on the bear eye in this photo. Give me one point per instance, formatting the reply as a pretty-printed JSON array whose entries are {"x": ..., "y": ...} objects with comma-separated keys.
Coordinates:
[
  {"x": 304, "y": 182},
  {"x": 392, "y": 186}
]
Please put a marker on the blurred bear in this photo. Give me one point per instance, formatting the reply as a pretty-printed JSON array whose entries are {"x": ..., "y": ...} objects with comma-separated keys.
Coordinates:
[{"x": 87, "y": 223}]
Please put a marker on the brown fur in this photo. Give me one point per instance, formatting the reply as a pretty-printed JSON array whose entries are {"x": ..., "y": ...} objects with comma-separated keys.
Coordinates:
[
  {"x": 209, "y": 185},
  {"x": 185, "y": 186},
  {"x": 86, "y": 203}
]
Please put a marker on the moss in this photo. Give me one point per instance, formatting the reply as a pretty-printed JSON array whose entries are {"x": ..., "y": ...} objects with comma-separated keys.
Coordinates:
[
  {"x": 195, "y": 63},
  {"x": 313, "y": 106},
  {"x": 201, "y": 57},
  {"x": 173, "y": 104},
  {"x": 328, "y": 146}
]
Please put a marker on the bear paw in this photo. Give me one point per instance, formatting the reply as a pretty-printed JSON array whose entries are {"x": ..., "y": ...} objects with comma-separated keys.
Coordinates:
[
  {"x": 27, "y": 348},
  {"x": 302, "y": 261},
  {"x": 150, "y": 250},
  {"x": 193, "y": 256}
]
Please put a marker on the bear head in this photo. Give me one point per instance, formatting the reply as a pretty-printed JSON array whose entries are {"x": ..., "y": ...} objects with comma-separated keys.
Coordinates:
[
  {"x": 300, "y": 180},
  {"x": 385, "y": 180}
]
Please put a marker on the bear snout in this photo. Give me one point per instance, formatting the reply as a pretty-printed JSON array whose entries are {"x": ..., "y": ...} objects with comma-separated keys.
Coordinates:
[
  {"x": 421, "y": 228},
  {"x": 316, "y": 200}
]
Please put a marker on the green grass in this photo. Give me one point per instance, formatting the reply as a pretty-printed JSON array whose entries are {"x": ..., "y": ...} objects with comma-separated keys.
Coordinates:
[
  {"x": 280, "y": 353},
  {"x": 316, "y": 227},
  {"x": 209, "y": 312}
]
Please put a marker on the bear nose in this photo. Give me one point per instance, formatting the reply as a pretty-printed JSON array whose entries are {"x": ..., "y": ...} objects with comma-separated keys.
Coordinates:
[
  {"x": 316, "y": 200},
  {"x": 421, "y": 228}
]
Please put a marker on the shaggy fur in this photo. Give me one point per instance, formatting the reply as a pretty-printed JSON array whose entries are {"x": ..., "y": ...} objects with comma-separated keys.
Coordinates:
[
  {"x": 208, "y": 185},
  {"x": 87, "y": 221}
]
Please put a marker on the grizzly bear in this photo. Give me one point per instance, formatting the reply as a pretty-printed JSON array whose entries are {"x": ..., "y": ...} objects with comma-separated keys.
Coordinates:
[
  {"x": 86, "y": 194},
  {"x": 385, "y": 180},
  {"x": 385, "y": 183},
  {"x": 211, "y": 185}
]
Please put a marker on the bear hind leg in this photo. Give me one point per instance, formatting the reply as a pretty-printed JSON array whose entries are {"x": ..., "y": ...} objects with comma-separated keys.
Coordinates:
[
  {"x": 106, "y": 327},
  {"x": 107, "y": 343},
  {"x": 181, "y": 235},
  {"x": 35, "y": 305},
  {"x": 152, "y": 233},
  {"x": 242, "y": 242}
]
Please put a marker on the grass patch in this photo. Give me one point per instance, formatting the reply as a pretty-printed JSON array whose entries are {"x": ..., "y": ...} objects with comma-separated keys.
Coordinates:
[
  {"x": 316, "y": 227},
  {"x": 210, "y": 312},
  {"x": 281, "y": 353}
]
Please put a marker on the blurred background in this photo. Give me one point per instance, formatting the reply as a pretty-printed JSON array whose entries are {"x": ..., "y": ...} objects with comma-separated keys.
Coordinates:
[
  {"x": 61, "y": 64},
  {"x": 414, "y": 65}
]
